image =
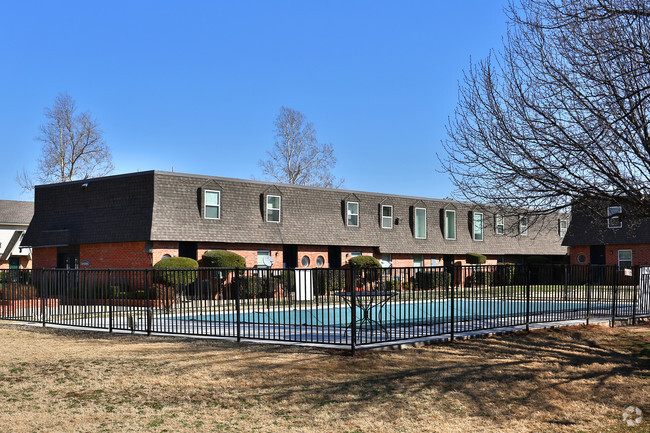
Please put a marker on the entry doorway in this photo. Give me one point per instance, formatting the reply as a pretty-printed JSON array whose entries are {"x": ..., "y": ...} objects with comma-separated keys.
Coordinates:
[
  {"x": 290, "y": 255},
  {"x": 334, "y": 257}
]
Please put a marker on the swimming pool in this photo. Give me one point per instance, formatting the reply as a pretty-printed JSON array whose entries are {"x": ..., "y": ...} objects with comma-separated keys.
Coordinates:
[{"x": 398, "y": 313}]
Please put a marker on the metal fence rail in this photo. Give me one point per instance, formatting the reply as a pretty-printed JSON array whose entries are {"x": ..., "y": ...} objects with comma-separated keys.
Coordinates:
[{"x": 345, "y": 307}]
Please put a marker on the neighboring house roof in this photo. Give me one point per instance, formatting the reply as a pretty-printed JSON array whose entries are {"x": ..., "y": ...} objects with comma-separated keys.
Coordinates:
[
  {"x": 589, "y": 226},
  {"x": 14, "y": 212},
  {"x": 163, "y": 206}
]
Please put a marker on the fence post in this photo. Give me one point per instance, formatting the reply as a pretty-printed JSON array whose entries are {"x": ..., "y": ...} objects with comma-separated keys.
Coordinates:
[
  {"x": 110, "y": 301},
  {"x": 353, "y": 308},
  {"x": 237, "y": 303},
  {"x": 528, "y": 298},
  {"x": 452, "y": 311},
  {"x": 589, "y": 272},
  {"x": 43, "y": 295},
  {"x": 636, "y": 277},
  {"x": 614, "y": 294},
  {"x": 149, "y": 310}
]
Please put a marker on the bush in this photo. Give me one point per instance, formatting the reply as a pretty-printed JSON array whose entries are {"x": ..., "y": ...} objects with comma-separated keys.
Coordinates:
[
  {"x": 329, "y": 280},
  {"x": 222, "y": 259},
  {"x": 364, "y": 262},
  {"x": 431, "y": 279},
  {"x": 475, "y": 259},
  {"x": 505, "y": 274},
  {"x": 171, "y": 271},
  {"x": 482, "y": 278},
  {"x": 254, "y": 286}
]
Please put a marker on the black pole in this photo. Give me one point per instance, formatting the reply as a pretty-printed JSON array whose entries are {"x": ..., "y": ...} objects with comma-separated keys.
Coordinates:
[
  {"x": 614, "y": 295},
  {"x": 589, "y": 272},
  {"x": 110, "y": 301},
  {"x": 528, "y": 299},
  {"x": 353, "y": 307},
  {"x": 452, "y": 281},
  {"x": 237, "y": 303},
  {"x": 43, "y": 295}
]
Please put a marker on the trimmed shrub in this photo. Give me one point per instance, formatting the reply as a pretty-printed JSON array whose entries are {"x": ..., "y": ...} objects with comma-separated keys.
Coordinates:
[
  {"x": 254, "y": 286},
  {"x": 475, "y": 259},
  {"x": 222, "y": 259},
  {"x": 482, "y": 278},
  {"x": 431, "y": 279},
  {"x": 329, "y": 280},
  {"x": 171, "y": 271},
  {"x": 505, "y": 273},
  {"x": 364, "y": 262}
]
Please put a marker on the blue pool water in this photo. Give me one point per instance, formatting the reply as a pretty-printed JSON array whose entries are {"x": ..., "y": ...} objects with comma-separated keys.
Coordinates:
[{"x": 398, "y": 313}]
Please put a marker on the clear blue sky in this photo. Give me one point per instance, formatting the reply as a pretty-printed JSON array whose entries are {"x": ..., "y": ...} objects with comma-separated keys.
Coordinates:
[{"x": 197, "y": 84}]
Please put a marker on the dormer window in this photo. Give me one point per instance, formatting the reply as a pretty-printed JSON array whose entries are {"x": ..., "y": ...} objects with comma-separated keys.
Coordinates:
[
  {"x": 420, "y": 223},
  {"x": 353, "y": 214},
  {"x": 386, "y": 217},
  {"x": 523, "y": 225},
  {"x": 614, "y": 217},
  {"x": 450, "y": 224},
  {"x": 564, "y": 225},
  {"x": 478, "y": 226},
  {"x": 273, "y": 206},
  {"x": 212, "y": 205},
  {"x": 499, "y": 224}
]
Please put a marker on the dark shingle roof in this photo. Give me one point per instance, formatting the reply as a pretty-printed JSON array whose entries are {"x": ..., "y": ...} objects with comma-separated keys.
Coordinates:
[
  {"x": 162, "y": 206},
  {"x": 16, "y": 212},
  {"x": 107, "y": 209},
  {"x": 589, "y": 226}
]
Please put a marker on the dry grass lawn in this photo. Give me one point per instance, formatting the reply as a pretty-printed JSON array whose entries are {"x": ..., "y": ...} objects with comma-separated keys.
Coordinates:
[{"x": 577, "y": 379}]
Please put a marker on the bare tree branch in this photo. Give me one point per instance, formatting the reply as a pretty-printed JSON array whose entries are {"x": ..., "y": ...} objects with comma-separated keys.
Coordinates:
[
  {"x": 562, "y": 113},
  {"x": 73, "y": 147},
  {"x": 297, "y": 157}
]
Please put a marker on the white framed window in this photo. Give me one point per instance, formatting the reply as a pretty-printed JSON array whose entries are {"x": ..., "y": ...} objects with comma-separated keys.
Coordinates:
[
  {"x": 450, "y": 225},
  {"x": 305, "y": 262},
  {"x": 273, "y": 208},
  {"x": 562, "y": 228},
  {"x": 499, "y": 224},
  {"x": 355, "y": 254},
  {"x": 418, "y": 260},
  {"x": 420, "y": 223},
  {"x": 614, "y": 217},
  {"x": 387, "y": 258},
  {"x": 261, "y": 257},
  {"x": 386, "y": 216},
  {"x": 478, "y": 226},
  {"x": 523, "y": 225},
  {"x": 353, "y": 214},
  {"x": 212, "y": 205},
  {"x": 624, "y": 259}
]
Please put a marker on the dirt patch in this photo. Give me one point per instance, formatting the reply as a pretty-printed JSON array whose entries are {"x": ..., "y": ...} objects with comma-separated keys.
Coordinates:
[{"x": 577, "y": 379}]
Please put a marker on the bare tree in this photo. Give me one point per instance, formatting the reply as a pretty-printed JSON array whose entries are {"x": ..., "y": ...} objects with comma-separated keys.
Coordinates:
[
  {"x": 297, "y": 157},
  {"x": 73, "y": 146},
  {"x": 562, "y": 113}
]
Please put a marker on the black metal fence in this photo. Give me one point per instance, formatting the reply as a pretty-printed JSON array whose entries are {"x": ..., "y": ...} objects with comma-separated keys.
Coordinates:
[{"x": 344, "y": 307}]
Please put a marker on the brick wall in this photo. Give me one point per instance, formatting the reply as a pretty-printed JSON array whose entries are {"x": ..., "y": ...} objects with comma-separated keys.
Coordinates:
[
  {"x": 25, "y": 263},
  {"x": 312, "y": 252},
  {"x": 248, "y": 251},
  {"x": 115, "y": 255},
  {"x": 164, "y": 248},
  {"x": 44, "y": 257},
  {"x": 640, "y": 254}
]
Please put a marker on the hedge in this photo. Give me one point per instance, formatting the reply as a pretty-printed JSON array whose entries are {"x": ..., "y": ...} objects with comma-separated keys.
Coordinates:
[
  {"x": 365, "y": 262},
  {"x": 222, "y": 259},
  {"x": 166, "y": 271},
  {"x": 475, "y": 259},
  {"x": 430, "y": 279}
]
